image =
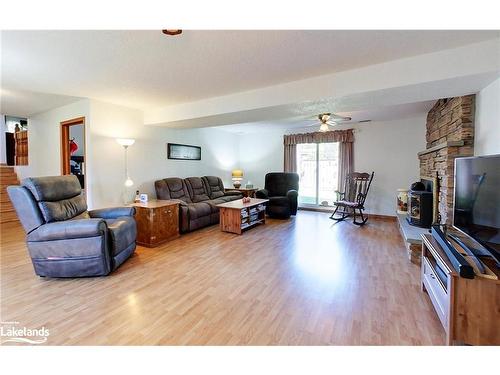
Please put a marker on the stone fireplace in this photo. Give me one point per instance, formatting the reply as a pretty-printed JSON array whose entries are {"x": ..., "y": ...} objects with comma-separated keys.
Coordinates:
[{"x": 450, "y": 134}]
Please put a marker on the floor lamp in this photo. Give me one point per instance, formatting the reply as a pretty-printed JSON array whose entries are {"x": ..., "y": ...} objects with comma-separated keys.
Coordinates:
[{"x": 126, "y": 142}]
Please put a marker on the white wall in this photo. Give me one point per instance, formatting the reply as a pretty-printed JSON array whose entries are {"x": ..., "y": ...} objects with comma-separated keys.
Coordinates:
[
  {"x": 487, "y": 121},
  {"x": 44, "y": 145},
  {"x": 3, "y": 128},
  {"x": 388, "y": 148},
  {"x": 148, "y": 156},
  {"x": 259, "y": 154},
  {"x": 105, "y": 158}
]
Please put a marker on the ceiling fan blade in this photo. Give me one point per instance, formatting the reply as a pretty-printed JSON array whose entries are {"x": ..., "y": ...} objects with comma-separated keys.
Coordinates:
[{"x": 339, "y": 117}]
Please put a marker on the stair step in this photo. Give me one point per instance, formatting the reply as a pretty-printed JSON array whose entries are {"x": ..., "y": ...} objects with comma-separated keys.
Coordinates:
[
  {"x": 8, "y": 177},
  {"x": 9, "y": 181},
  {"x": 6, "y": 208},
  {"x": 5, "y": 203},
  {"x": 9, "y": 216},
  {"x": 3, "y": 190},
  {"x": 4, "y": 196}
]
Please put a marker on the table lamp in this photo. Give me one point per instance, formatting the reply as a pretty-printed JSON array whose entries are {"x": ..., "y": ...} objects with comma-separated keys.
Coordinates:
[{"x": 237, "y": 175}]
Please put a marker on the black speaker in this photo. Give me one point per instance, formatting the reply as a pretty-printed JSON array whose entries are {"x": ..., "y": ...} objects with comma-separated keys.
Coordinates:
[{"x": 420, "y": 208}]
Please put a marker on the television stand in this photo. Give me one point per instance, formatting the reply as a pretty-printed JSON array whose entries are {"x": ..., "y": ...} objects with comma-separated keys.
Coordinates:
[{"x": 469, "y": 309}]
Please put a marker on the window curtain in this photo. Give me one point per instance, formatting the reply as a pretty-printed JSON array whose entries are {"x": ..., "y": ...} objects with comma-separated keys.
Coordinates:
[
  {"x": 346, "y": 162},
  {"x": 346, "y": 149},
  {"x": 290, "y": 157}
]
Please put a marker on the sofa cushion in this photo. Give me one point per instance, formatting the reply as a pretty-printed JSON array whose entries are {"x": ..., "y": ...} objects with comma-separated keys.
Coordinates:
[
  {"x": 59, "y": 197},
  {"x": 64, "y": 209},
  {"x": 53, "y": 188},
  {"x": 197, "y": 190},
  {"x": 214, "y": 186},
  {"x": 122, "y": 233},
  {"x": 198, "y": 210},
  {"x": 214, "y": 202},
  {"x": 172, "y": 188},
  {"x": 230, "y": 198}
]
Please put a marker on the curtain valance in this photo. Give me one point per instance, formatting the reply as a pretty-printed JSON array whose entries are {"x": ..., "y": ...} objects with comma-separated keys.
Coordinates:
[{"x": 320, "y": 137}]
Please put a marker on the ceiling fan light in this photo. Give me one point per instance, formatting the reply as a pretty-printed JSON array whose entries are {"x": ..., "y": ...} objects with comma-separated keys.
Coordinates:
[
  {"x": 324, "y": 117},
  {"x": 323, "y": 128}
]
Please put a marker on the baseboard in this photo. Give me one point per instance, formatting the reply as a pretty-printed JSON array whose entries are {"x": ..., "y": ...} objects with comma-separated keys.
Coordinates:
[
  {"x": 330, "y": 210},
  {"x": 383, "y": 217},
  {"x": 317, "y": 209}
]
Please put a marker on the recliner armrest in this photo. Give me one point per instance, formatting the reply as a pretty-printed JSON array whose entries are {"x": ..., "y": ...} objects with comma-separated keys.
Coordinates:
[
  {"x": 112, "y": 212},
  {"x": 292, "y": 194},
  {"x": 262, "y": 194},
  {"x": 69, "y": 229}
]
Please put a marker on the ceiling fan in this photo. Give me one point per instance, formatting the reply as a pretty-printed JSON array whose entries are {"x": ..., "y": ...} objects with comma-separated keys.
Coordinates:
[{"x": 329, "y": 119}]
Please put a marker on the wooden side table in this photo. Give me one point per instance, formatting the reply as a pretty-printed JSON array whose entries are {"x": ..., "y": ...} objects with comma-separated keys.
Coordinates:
[
  {"x": 246, "y": 192},
  {"x": 157, "y": 222}
]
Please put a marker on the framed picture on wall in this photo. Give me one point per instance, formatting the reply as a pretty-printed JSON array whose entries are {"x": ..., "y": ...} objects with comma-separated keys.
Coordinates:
[{"x": 183, "y": 152}]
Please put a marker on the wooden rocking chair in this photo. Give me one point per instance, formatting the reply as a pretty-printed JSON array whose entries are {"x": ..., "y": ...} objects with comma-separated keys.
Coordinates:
[{"x": 353, "y": 198}]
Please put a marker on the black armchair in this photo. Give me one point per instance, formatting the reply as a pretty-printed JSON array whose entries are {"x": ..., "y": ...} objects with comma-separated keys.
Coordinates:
[
  {"x": 66, "y": 240},
  {"x": 282, "y": 191}
]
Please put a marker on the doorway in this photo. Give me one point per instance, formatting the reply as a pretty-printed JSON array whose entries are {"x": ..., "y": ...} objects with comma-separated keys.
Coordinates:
[
  {"x": 317, "y": 166},
  {"x": 73, "y": 156},
  {"x": 14, "y": 141}
]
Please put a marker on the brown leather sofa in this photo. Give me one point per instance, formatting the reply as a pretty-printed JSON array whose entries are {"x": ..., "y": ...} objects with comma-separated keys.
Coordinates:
[{"x": 198, "y": 198}]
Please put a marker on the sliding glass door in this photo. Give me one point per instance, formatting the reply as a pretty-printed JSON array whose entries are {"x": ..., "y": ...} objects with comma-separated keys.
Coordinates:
[{"x": 317, "y": 166}]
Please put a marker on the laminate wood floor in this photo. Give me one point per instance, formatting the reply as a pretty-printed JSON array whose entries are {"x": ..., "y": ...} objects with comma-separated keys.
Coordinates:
[{"x": 305, "y": 281}]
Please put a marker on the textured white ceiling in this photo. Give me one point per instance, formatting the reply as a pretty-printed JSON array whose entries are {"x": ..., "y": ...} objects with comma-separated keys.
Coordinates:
[
  {"x": 26, "y": 103},
  {"x": 383, "y": 113},
  {"x": 144, "y": 69}
]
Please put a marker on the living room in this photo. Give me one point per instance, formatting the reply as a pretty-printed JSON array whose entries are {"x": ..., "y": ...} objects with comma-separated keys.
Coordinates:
[{"x": 211, "y": 170}]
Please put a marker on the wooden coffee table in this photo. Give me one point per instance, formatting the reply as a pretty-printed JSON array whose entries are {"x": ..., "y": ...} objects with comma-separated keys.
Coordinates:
[{"x": 236, "y": 216}]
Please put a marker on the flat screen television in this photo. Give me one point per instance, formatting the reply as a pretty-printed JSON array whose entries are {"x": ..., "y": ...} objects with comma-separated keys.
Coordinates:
[{"x": 477, "y": 200}]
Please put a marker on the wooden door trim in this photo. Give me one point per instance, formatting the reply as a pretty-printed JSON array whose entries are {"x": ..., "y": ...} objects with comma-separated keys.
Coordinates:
[{"x": 65, "y": 165}]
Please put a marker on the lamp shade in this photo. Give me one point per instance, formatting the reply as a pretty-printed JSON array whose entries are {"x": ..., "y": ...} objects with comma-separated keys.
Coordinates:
[
  {"x": 125, "y": 141},
  {"x": 237, "y": 173}
]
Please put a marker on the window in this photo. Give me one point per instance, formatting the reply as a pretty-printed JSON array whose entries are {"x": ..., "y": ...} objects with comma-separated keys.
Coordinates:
[{"x": 317, "y": 166}]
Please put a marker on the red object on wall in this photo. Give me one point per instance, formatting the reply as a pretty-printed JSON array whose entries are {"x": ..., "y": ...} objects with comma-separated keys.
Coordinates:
[{"x": 72, "y": 146}]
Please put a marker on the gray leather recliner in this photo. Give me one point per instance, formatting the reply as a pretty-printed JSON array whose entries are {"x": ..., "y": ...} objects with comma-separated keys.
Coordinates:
[{"x": 66, "y": 240}]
